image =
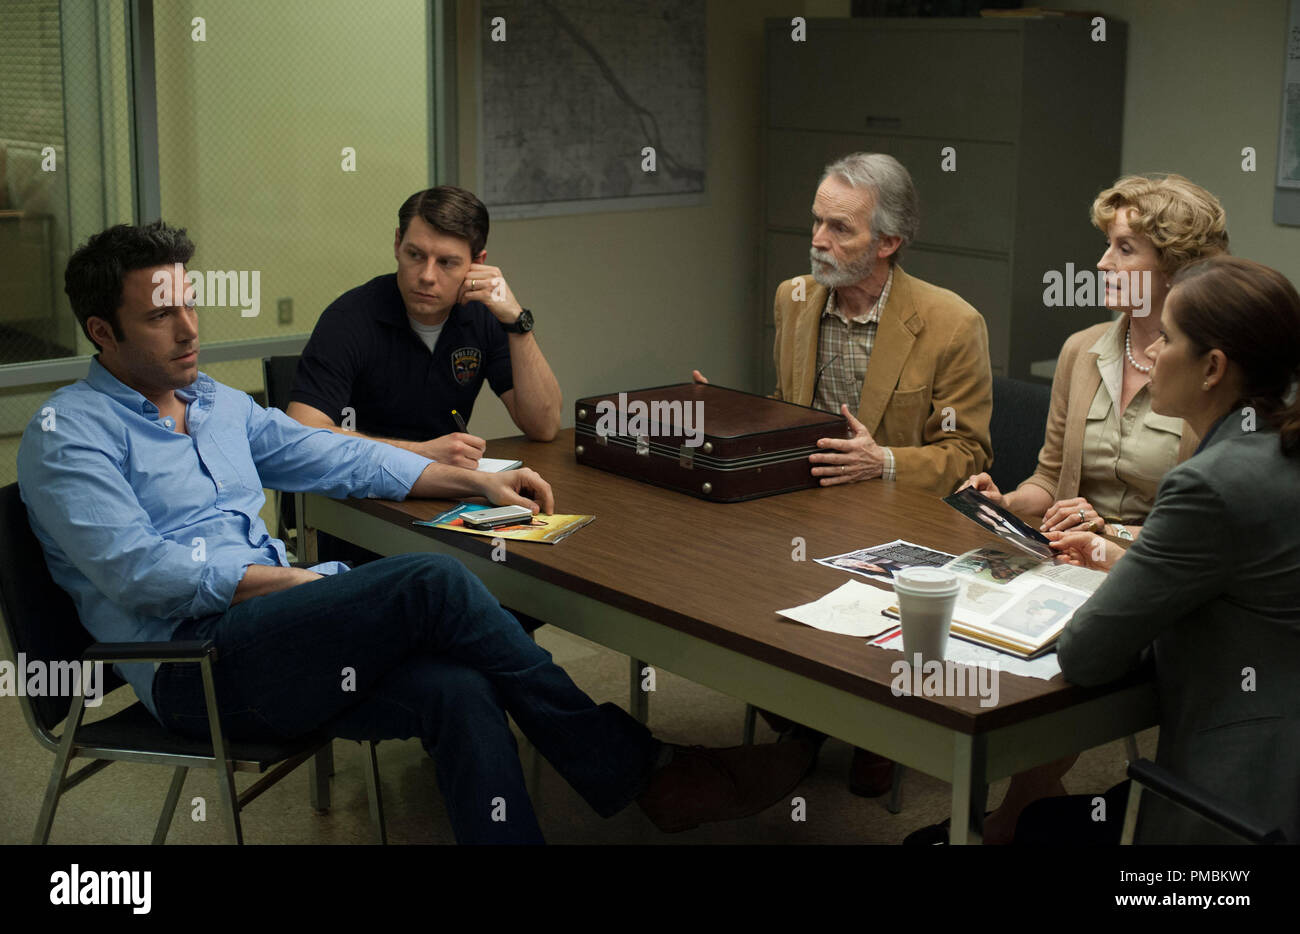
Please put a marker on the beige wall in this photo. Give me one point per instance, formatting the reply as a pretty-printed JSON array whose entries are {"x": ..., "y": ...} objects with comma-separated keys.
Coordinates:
[
  {"x": 252, "y": 122},
  {"x": 639, "y": 298},
  {"x": 1204, "y": 80}
]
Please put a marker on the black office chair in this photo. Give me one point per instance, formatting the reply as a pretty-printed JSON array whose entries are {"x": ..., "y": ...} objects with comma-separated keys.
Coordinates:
[
  {"x": 277, "y": 376},
  {"x": 41, "y": 622},
  {"x": 1146, "y": 775},
  {"x": 1017, "y": 427}
]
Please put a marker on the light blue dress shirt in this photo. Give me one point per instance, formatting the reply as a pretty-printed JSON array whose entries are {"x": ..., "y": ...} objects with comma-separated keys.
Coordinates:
[{"x": 146, "y": 526}]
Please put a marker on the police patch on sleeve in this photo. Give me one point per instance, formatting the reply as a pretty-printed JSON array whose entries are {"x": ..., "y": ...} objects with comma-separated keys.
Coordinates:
[{"x": 465, "y": 363}]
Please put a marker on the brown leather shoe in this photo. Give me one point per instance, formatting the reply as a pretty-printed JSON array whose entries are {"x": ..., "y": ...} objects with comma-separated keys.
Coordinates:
[
  {"x": 702, "y": 785},
  {"x": 870, "y": 775}
]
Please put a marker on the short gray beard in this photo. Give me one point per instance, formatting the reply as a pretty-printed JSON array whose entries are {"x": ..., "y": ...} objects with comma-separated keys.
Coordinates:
[{"x": 840, "y": 276}]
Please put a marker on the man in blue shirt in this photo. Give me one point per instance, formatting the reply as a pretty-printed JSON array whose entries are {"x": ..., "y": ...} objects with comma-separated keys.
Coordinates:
[
  {"x": 144, "y": 482},
  {"x": 391, "y": 359}
]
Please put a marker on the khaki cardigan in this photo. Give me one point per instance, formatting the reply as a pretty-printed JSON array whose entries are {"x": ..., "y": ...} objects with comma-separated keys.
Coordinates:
[
  {"x": 1077, "y": 379},
  {"x": 929, "y": 370}
]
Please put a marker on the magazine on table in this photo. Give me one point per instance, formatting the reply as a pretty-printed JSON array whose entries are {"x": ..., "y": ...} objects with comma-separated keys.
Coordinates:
[
  {"x": 540, "y": 528},
  {"x": 1015, "y": 602}
]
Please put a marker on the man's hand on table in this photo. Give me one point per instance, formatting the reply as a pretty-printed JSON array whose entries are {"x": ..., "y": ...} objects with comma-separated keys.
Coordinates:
[
  {"x": 509, "y": 487},
  {"x": 848, "y": 460}
]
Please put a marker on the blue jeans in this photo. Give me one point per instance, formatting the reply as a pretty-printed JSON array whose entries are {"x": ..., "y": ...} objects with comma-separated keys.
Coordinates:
[{"x": 413, "y": 645}]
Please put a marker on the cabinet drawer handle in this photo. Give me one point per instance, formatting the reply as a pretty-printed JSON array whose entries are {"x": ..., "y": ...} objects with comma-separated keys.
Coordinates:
[{"x": 882, "y": 123}]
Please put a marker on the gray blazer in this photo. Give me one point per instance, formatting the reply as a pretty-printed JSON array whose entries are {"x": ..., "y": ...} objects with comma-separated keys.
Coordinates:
[{"x": 1213, "y": 585}]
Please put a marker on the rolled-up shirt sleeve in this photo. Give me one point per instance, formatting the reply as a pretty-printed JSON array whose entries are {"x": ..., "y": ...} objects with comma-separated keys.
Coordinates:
[
  {"x": 81, "y": 501},
  {"x": 294, "y": 458}
]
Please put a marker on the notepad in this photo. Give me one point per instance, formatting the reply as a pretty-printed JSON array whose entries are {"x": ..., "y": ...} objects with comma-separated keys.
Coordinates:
[{"x": 497, "y": 464}]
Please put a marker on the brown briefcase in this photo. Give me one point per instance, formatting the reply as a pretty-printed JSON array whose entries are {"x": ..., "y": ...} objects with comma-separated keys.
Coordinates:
[{"x": 718, "y": 444}]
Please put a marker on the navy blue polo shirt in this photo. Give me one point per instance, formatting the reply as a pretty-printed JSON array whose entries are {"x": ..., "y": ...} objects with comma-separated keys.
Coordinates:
[{"x": 364, "y": 354}]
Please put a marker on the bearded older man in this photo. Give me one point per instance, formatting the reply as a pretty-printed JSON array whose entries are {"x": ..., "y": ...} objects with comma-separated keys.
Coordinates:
[
  {"x": 860, "y": 334},
  {"x": 910, "y": 357}
]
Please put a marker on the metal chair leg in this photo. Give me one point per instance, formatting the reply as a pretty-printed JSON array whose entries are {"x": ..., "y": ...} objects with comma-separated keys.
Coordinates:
[
  {"x": 640, "y": 700},
  {"x": 375, "y": 795},
  {"x": 321, "y": 768},
  {"x": 58, "y": 772},
  {"x": 222, "y": 765},
  {"x": 169, "y": 805},
  {"x": 751, "y": 718},
  {"x": 229, "y": 800},
  {"x": 894, "y": 804},
  {"x": 1131, "y": 813}
]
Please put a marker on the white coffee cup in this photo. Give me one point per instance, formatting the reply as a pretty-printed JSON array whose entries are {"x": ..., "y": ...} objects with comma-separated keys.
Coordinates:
[{"x": 926, "y": 598}]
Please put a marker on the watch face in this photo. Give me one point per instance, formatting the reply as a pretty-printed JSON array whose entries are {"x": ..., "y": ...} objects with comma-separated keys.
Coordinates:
[{"x": 524, "y": 323}]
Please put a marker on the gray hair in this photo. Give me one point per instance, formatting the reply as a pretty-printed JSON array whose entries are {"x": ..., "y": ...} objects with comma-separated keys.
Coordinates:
[{"x": 897, "y": 213}]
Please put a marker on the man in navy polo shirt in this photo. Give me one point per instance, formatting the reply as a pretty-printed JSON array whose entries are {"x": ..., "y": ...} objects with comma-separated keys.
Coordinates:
[{"x": 391, "y": 359}]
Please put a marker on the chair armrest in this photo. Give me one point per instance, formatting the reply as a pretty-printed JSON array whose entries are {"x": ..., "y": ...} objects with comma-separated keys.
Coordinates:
[
  {"x": 167, "y": 652},
  {"x": 1210, "y": 807}
]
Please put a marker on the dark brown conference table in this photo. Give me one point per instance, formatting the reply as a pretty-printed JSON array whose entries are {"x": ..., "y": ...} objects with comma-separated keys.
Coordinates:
[{"x": 693, "y": 587}]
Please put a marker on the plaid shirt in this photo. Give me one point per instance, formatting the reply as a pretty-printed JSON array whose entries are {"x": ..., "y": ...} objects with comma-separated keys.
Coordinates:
[{"x": 843, "y": 352}]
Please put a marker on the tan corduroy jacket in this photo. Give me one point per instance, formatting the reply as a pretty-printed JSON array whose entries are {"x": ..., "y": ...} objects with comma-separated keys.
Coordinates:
[
  {"x": 929, "y": 369},
  {"x": 1073, "y": 387}
]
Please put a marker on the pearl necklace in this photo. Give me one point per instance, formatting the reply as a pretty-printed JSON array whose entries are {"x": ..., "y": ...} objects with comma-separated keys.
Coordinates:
[{"x": 1128, "y": 352}]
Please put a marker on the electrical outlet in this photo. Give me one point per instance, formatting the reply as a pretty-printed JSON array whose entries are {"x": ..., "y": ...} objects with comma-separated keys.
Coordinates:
[{"x": 284, "y": 310}]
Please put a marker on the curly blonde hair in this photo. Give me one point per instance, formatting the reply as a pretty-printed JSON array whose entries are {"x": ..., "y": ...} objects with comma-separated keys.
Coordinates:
[{"x": 1183, "y": 221}]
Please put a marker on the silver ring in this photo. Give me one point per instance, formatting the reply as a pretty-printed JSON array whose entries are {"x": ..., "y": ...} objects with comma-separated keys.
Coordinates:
[
  {"x": 841, "y": 468},
  {"x": 1082, "y": 517}
]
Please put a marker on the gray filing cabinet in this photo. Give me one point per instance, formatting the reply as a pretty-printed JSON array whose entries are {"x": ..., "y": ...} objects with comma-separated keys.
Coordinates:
[{"x": 1033, "y": 108}]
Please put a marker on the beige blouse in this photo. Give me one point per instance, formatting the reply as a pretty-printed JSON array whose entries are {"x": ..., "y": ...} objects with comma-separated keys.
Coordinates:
[
  {"x": 1114, "y": 460},
  {"x": 1124, "y": 454}
]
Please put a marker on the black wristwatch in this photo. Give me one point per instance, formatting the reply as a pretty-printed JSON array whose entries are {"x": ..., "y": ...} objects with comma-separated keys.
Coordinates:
[{"x": 523, "y": 324}]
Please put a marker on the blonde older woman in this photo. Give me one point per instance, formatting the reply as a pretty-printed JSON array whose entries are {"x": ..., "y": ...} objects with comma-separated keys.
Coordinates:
[{"x": 1105, "y": 450}]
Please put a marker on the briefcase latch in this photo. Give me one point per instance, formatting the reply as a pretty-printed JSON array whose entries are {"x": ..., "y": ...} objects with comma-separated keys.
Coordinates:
[
  {"x": 643, "y": 445},
  {"x": 686, "y": 457}
]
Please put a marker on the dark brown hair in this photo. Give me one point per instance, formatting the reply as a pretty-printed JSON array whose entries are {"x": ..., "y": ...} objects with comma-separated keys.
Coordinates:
[
  {"x": 449, "y": 210},
  {"x": 93, "y": 277},
  {"x": 1252, "y": 314}
]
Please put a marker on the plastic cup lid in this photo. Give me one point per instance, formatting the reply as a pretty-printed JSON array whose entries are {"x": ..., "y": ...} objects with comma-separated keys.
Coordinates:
[{"x": 926, "y": 579}]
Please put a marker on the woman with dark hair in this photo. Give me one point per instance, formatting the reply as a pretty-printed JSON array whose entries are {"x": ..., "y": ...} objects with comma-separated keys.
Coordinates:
[{"x": 1212, "y": 586}]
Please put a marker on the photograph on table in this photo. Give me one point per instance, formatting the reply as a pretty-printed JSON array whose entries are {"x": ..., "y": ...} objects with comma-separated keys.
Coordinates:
[{"x": 882, "y": 562}]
